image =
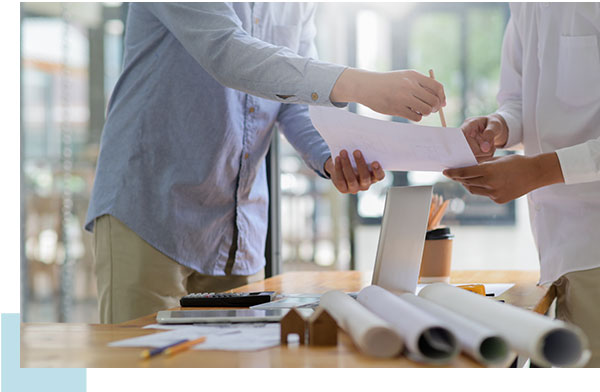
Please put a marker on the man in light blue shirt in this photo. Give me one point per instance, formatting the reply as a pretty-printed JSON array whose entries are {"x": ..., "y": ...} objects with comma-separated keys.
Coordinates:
[{"x": 180, "y": 196}]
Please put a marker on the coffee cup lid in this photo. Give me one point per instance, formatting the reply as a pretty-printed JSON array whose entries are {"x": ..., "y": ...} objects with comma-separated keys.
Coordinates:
[{"x": 442, "y": 233}]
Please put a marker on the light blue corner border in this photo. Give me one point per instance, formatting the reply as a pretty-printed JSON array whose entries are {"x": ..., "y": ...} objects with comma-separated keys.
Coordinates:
[{"x": 15, "y": 379}]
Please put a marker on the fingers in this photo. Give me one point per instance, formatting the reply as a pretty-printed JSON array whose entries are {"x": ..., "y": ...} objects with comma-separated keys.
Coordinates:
[
  {"x": 364, "y": 176},
  {"x": 348, "y": 172},
  {"x": 480, "y": 182},
  {"x": 476, "y": 190},
  {"x": 338, "y": 177},
  {"x": 487, "y": 140},
  {"x": 350, "y": 180},
  {"x": 409, "y": 113},
  {"x": 433, "y": 85},
  {"x": 420, "y": 107},
  {"x": 429, "y": 99},
  {"x": 377, "y": 173},
  {"x": 474, "y": 126},
  {"x": 463, "y": 173}
]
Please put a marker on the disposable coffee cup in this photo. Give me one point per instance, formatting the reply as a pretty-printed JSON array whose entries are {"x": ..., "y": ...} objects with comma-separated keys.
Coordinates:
[{"x": 437, "y": 256}]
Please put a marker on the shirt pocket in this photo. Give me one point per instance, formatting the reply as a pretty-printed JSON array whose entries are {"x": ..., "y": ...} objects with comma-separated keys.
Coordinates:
[
  {"x": 578, "y": 81},
  {"x": 288, "y": 36}
]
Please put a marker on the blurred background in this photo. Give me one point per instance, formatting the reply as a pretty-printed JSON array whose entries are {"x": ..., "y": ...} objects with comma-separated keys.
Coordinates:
[{"x": 71, "y": 55}]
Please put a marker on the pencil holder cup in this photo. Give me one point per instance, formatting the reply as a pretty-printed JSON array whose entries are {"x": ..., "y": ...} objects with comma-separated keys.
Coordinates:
[{"x": 437, "y": 256}]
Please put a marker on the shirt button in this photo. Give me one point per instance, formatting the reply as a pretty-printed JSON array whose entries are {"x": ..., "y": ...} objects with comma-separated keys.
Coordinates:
[
  {"x": 251, "y": 110},
  {"x": 246, "y": 156},
  {"x": 314, "y": 96}
]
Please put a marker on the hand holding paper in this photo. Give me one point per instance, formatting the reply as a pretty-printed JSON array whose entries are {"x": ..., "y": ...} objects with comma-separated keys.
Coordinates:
[
  {"x": 506, "y": 178},
  {"x": 484, "y": 134},
  {"x": 349, "y": 180},
  {"x": 396, "y": 146}
]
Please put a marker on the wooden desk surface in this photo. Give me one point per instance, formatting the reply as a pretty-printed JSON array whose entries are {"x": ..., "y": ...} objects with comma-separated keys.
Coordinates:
[{"x": 85, "y": 345}]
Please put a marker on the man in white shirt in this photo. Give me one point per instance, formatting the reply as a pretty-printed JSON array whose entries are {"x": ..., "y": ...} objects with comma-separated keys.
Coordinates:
[{"x": 550, "y": 102}]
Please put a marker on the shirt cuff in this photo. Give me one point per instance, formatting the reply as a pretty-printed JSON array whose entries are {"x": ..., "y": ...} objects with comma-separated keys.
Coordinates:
[
  {"x": 319, "y": 81},
  {"x": 515, "y": 132},
  {"x": 578, "y": 164},
  {"x": 321, "y": 164}
]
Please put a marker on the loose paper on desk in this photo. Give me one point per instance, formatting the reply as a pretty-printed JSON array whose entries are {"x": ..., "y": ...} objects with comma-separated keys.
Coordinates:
[
  {"x": 227, "y": 337},
  {"x": 396, "y": 146}
]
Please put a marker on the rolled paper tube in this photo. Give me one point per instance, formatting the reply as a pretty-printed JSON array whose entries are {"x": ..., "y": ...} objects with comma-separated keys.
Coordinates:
[
  {"x": 476, "y": 340},
  {"x": 372, "y": 335},
  {"x": 546, "y": 341},
  {"x": 426, "y": 338}
]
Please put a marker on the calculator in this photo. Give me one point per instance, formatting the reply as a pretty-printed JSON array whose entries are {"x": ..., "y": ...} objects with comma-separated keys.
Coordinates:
[{"x": 226, "y": 300}]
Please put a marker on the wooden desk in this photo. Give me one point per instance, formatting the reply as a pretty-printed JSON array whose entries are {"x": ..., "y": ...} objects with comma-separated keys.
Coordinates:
[{"x": 85, "y": 345}]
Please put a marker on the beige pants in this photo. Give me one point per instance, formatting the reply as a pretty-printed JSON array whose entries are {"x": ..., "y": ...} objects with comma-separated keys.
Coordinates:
[
  {"x": 135, "y": 279},
  {"x": 578, "y": 302}
]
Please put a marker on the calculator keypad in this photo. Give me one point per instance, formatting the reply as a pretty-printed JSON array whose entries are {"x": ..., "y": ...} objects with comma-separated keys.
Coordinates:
[{"x": 226, "y": 299}]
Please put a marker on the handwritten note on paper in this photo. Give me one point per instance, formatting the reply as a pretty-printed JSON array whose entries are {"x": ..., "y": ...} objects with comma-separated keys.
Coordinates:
[{"x": 397, "y": 146}]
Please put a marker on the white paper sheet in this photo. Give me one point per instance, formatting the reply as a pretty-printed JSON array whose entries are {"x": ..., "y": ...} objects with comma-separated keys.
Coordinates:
[
  {"x": 480, "y": 342},
  {"x": 228, "y": 337},
  {"x": 546, "y": 341},
  {"x": 372, "y": 335},
  {"x": 426, "y": 337},
  {"x": 396, "y": 146}
]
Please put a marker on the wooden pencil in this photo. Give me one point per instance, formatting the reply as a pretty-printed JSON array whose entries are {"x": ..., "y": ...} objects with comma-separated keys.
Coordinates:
[{"x": 441, "y": 111}]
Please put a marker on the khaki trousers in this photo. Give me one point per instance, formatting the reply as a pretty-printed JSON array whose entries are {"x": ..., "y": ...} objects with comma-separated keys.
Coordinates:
[
  {"x": 578, "y": 302},
  {"x": 135, "y": 279}
]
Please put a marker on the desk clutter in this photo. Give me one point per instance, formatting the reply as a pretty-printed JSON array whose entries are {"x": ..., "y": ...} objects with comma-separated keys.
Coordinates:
[
  {"x": 440, "y": 321},
  {"x": 432, "y": 327},
  {"x": 320, "y": 329}
]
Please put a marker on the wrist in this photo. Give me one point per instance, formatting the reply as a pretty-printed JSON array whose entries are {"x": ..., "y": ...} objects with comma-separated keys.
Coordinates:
[
  {"x": 328, "y": 167},
  {"x": 347, "y": 86},
  {"x": 546, "y": 169}
]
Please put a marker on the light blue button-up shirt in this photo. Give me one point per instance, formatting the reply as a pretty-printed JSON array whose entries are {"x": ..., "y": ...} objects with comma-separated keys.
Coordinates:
[{"x": 182, "y": 155}]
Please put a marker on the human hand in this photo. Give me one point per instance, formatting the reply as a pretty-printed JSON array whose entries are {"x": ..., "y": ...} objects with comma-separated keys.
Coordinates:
[
  {"x": 407, "y": 93},
  {"x": 349, "y": 180},
  {"x": 506, "y": 178},
  {"x": 484, "y": 134}
]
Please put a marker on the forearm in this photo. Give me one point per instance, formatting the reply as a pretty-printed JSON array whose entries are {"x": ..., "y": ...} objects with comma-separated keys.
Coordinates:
[
  {"x": 213, "y": 35},
  {"x": 297, "y": 127},
  {"x": 348, "y": 86},
  {"x": 546, "y": 170}
]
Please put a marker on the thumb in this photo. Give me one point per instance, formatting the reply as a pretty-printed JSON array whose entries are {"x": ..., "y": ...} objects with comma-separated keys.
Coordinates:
[{"x": 486, "y": 142}]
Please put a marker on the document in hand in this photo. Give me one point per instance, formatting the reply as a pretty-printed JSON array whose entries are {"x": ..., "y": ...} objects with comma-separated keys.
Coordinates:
[{"x": 396, "y": 146}]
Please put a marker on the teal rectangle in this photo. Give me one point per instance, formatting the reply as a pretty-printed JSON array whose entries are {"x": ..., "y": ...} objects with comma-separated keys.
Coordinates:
[{"x": 15, "y": 379}]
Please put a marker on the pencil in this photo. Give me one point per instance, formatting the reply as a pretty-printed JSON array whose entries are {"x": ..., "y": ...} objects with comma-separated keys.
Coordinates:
[
  {"x": 155, "y": 351},
  {"x": 184, "y": 346},
  {"x": 441, "y": 111},
  {"x": 439, "y": 214}
]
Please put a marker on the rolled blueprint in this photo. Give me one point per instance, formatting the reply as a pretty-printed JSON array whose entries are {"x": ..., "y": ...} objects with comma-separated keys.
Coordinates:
[
  {"x": 426, "y": 338},
  {"x": 371, "y": 334},
  {"x": 546, "y": 341},
  {"x": 476, "y": 340}
]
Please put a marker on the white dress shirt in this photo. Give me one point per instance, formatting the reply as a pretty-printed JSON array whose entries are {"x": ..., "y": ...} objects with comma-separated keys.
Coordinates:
[{"x": 550, "y": 98}]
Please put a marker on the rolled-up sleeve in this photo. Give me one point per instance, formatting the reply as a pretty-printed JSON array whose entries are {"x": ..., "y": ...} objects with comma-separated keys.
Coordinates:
[
  {"x": 580, "y": 163},
  {"x": 212, "y": 34},
  {"x": 510, "y": 94}
]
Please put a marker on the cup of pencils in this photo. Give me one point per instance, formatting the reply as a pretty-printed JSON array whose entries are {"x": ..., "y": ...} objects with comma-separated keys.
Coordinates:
[{"x": 437, "y": 253}]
